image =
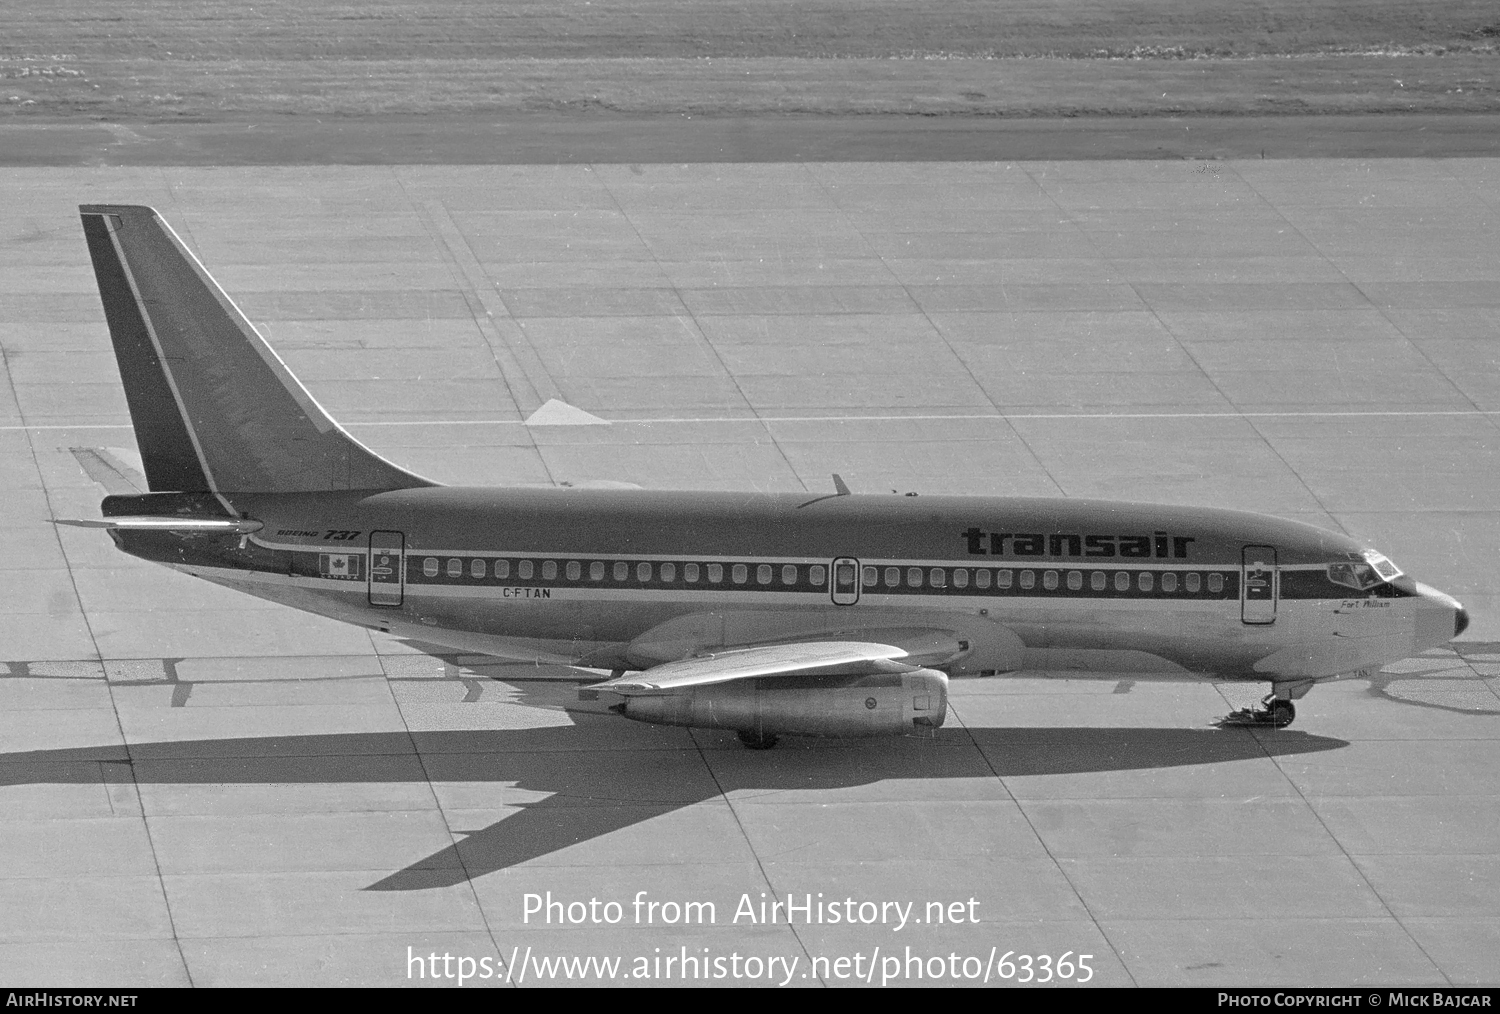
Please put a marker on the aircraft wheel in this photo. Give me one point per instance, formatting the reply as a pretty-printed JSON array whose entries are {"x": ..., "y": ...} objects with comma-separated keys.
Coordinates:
[
  {"x": 758, "y": 740},
  {"x": 1282, "y": 713}
]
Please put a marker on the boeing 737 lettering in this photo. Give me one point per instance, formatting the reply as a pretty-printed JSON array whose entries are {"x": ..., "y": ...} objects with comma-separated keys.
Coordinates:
[{"x": 769, "y": 615}]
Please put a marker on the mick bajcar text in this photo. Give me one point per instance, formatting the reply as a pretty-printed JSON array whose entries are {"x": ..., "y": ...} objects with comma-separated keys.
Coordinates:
[{"x": 1448, "y": 997}]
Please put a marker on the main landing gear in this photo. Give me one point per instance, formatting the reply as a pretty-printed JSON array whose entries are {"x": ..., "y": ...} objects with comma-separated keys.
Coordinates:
[
  {"x": 758, "y": 740},
  {"x": 1277, "y": 712}
]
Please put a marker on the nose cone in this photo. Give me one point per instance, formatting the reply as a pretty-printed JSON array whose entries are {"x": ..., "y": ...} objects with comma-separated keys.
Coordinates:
[{"x": 1440, "y": 617}]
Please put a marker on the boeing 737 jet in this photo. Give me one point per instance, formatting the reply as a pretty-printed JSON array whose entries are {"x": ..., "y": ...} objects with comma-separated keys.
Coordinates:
[{"x": 770, "y": 615}]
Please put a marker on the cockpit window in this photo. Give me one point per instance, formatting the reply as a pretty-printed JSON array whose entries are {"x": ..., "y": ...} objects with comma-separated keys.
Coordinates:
[
  {"x": 1359, "y": 576},
  {"x": 1363, "y": 576},
  {"x": 1387, "y": 570}
]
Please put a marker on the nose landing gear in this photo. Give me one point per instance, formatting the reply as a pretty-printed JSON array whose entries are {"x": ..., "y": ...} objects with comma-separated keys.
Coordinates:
[{"x": 1277, "y": 712}]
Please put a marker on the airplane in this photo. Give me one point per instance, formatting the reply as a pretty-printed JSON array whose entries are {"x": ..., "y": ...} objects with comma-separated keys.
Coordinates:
[{"x": 843, "y": 614}]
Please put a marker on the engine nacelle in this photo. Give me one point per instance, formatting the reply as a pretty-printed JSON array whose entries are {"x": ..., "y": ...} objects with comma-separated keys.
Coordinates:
[{"x": 867, "y": 706}]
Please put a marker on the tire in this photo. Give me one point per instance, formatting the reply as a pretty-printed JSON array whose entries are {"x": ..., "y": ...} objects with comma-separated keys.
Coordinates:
[
  {"x": 1283, "y": 713},
  {"x": 758, "y": 740}
]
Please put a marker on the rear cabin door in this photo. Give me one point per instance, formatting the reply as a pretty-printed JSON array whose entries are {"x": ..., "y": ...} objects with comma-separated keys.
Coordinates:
[
  {"x": 845, "y": 581},
  {"x": 387, "y": 569},
  {"x": 1258, "y": 585}
]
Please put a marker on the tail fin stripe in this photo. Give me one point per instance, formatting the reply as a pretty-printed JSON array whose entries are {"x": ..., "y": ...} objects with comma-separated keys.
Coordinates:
[
  {"x": 166, "y": 370},
  {"x": 169, "y": 451}
]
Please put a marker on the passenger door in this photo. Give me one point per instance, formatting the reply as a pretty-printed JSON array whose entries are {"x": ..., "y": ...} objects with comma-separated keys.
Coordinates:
[
  {"x": 387, "y": 568},
  {"x": 1258, "y": 585},
  {"x": 844, "y": 581}
]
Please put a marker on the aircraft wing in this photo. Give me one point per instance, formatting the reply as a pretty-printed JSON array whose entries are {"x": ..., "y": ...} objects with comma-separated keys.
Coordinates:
[{"x": 807, "y": 658}]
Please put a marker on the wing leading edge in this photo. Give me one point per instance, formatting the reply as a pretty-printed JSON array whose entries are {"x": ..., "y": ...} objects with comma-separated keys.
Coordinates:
[{"x": 807, "y": 658}]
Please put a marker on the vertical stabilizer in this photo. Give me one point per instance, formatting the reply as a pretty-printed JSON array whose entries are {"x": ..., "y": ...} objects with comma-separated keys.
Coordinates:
[{"x": 214, "y": 408}]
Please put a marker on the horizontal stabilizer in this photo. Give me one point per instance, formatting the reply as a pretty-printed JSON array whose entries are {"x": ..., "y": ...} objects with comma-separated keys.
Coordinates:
[
  {"x": 108, "y": 469},
  {"x": 813, "y": 658},
  {"x": 200, "y": 526}
]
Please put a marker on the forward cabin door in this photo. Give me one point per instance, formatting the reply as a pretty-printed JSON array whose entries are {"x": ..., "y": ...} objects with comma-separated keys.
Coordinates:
[
  {"x": 1258, "y": 585},
  {"x": 844, "y": 583},
  {"x": 387, "y": 570}
]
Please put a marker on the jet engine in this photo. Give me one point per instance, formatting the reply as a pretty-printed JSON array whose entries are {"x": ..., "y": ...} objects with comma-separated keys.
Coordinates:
[{"x": 762, "y": 709}]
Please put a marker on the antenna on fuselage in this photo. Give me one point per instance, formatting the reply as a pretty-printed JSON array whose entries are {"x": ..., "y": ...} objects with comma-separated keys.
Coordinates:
[{"x": 841, "y": 489}]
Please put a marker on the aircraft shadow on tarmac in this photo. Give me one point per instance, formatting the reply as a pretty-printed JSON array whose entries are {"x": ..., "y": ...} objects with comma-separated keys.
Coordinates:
[{"x": 595, "y": 786}]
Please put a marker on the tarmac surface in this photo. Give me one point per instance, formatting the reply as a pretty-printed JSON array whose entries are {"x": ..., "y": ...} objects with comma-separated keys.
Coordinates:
[{"x": 202, "y": 788}]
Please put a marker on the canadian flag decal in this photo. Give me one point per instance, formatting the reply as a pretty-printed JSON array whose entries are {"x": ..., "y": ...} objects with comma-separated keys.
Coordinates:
[{"x": 344, "y": 566}]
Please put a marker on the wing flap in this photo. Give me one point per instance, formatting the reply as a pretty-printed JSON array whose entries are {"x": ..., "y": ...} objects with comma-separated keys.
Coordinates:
[{"x": 808, "y": 658}]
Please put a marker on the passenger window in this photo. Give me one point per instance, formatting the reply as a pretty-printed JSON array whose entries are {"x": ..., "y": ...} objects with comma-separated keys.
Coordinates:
[
  {"x": 643, "y": 572},
  {"x": 893, "y": 577},
  {"x": 1145, "y": 580},
  {"x": 739, "y": 574},
  {"x": 669, "y": 572},
  {"x": 1049, "y": 580},
  {"x": 690, "y": 573},
  {"x": 914, "y": 577},
  {"x": 523, "y": 570},
  {"x": 455, "y": 568},
  {"x": 715, "y": 573},
  {"x": 1002, "y": 579},
  {"x": 960, "y": 577},
  {"x": 476, "y": 568},
  {"x": 981, "y": 579},
  {"x": 871, "y": 577},
  {"x": 763, "y": 574},
  {"x": 430, "y": 567},
  {"x": 596, "y": 570},
  {"x": 789, "y": 574},
  {"x": 937, "y": 577},
  {"x": 1122, "y": 580},
  {"x": 1215, "y": 583},
  {"x": 502, "y": 569},
  {"x": 1098, "y": 580},
  {"x": 817, "y": 575},
  {"x": 1193, "y": 583},
  {"x": 549, "y": 570},
  {"x": 1075, "y": 580},
  {"x": 622, "y": 571},
  {"x": 575, "y": 570},
  {"x": 1028, "y": 579},
  {"x": 1169, "y": 582}
]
